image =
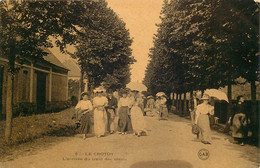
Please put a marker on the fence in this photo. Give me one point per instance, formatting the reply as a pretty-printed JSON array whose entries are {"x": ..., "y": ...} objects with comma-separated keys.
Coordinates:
[{"x": 220, "y": 109}]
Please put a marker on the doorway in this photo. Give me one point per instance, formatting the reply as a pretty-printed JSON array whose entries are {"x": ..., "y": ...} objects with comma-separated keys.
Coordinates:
[
  {"x": 41, "y": 91},
  {"x": 1, "y": 90}
]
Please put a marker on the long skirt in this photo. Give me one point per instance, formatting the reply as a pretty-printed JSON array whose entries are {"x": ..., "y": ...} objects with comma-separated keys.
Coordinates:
[
  {"x": 163, "y": 112},
  {"x": 85, "y": 123},
  {"x": 111, "y": 119},
  {"x": 124, "y": 119},
  {"x": 204, "y": 127},
  {"x": 137, "y": 119},
  {"x": 239, "y": 126},
  {"x": 192, "y": 116},
  {"x": 100, "y": 122}
]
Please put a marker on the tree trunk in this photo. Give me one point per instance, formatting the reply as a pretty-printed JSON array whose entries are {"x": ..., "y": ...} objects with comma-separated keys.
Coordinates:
[
  {"x": 253, "y": 91},
  {"x": 173, "y": 94},
  {"x": 9, "y": 107},
  {"x": 185, "y": 106},
  {"x": 10, "y": 92},
  {"x": 253, "y": 105},
  {"x": 190, "y": 107},
  {"x": 177, "y": 103},
  {"x": 229, "y": 92},
  {"x": 229, "y": 107},
  {"x": 230, "y": 101},
  {"x": 82, "y": 81},
  {"x": 180, "y": 105}
]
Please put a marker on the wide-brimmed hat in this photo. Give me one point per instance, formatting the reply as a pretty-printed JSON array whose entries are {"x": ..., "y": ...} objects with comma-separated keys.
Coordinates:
[
  {"x": 98, "y": 90},
  {"x": 150, "y": 97},
  {"x": 205, "y": 97},
  {"x": 84, "y": 93},
  {"x": 109, "y": 91},
  {"x": 123, "y": 91}
]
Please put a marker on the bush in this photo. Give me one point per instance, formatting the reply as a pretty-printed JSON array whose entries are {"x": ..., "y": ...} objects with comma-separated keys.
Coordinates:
[
  {"x": 24, "y": 108},
  {"x": 27, "y": 108},
  {"x": 56, "y": 106}
]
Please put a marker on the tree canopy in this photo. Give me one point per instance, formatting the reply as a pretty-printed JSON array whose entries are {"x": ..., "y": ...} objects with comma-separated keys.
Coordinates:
[
  {"x": 103, "y": 49},
  {"x": 203, "y": 44}
]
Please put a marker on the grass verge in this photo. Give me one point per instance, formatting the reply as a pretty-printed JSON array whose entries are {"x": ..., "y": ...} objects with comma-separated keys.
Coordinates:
[{"x": 36, "y": 129}]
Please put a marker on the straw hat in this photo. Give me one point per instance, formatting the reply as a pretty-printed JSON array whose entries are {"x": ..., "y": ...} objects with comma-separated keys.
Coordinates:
[
  {"x": 205, "y": 97},
  {"x": 123, "y": 91},
  {"x": 84, "y": 93},
  {"x": 150, "y": 97},
  {"x": 98, "y": 90}
]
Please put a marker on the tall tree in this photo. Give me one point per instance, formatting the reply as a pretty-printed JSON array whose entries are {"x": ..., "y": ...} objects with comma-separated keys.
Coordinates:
[
  {"x": 104, "y": 48},
  {"x": 26, "y": 27}
]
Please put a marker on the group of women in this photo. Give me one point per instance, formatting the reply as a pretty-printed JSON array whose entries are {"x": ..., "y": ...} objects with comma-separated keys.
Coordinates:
[
  {"x": 124, "y": 114},
  {"x": 239, "y": 120},
  {"x": 157, "y": 107}
]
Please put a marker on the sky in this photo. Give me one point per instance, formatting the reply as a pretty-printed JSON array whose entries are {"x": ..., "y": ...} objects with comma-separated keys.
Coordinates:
[{"x": 140, "y": 17}]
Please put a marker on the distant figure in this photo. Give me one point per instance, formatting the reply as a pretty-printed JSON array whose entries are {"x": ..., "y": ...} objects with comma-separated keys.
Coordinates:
[
  {"x": 157, "y": 106},
  {"x": 150, "y": 106},
  {"x": 150, "y": 103},
  {"x": 74, "y": 100},
  {"x": 163, "y": 110},
  {"x": 142, "y": 103},
  {"x": 193, "y": 106},
  {"x": 84, "y": 114},
  {"x": 239, "y": 122}
]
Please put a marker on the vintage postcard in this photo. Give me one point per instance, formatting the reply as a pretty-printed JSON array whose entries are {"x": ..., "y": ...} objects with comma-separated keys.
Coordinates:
[{"x": 129, "y": 84}]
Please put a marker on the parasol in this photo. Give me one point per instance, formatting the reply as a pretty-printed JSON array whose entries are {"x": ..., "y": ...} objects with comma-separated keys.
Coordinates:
[
  {"x": 160, "y": 94},
  {"x": 136, "y": 86},
  {"x": 217, "y": 94}
]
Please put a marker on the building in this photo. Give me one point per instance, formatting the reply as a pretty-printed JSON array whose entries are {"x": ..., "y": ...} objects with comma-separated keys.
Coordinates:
[
  {"x": 39, "y": 84},
  {"x": 75, "y": 76},
  {"x": 74, "y": 69}
]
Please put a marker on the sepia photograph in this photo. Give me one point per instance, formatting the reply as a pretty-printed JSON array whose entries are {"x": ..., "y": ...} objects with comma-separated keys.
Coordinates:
[{"x": 129, "y": 84}]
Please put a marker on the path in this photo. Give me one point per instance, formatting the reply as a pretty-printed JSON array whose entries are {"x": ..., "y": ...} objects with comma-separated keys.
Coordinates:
[{"x": 168, "y": 144}]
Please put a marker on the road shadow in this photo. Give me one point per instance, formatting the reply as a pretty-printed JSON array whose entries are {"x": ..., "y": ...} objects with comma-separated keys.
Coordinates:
[
  {"x": 247, "y": 152},
  {"x": 162, "y": 164},
  {"x": 32, "y": 146},
  {"x": 177, "y": 118}
]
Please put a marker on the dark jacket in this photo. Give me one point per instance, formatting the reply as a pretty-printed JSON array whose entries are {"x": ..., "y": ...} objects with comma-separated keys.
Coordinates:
[{"x": 112, "y": 103}]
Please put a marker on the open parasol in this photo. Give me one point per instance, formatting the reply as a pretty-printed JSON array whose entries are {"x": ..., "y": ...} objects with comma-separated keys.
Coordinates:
[
  {"x": 217, "y": 94},
  {"x": 136, "y": 86},
  {"x": 160, "y": 94}
]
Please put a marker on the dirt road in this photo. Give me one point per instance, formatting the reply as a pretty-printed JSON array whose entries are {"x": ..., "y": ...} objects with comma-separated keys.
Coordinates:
[{"x": 169, "y": 144}]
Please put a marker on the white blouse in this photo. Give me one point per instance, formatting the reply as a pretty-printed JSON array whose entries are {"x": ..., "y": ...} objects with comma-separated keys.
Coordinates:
[
  {"x": 205, "y": 109},
  {"x": 84, "y": 105},
  {"x": 100, "y": 101},
  {"x": 124, "y": 102}
]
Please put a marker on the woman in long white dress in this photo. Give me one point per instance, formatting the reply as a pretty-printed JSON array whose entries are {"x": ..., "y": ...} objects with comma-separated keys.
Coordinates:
[
  {"x": 137, "y": 116},
  {"x": 100, "y": 115},
  {"x": 202, "y": 120}
]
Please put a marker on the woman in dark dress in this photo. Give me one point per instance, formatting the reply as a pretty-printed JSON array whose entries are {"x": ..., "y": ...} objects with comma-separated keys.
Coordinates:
[
  {"x": 239, "y": 122},
  {"x": 84, "y": 114},
  {"x": 124, "y": 106}
]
